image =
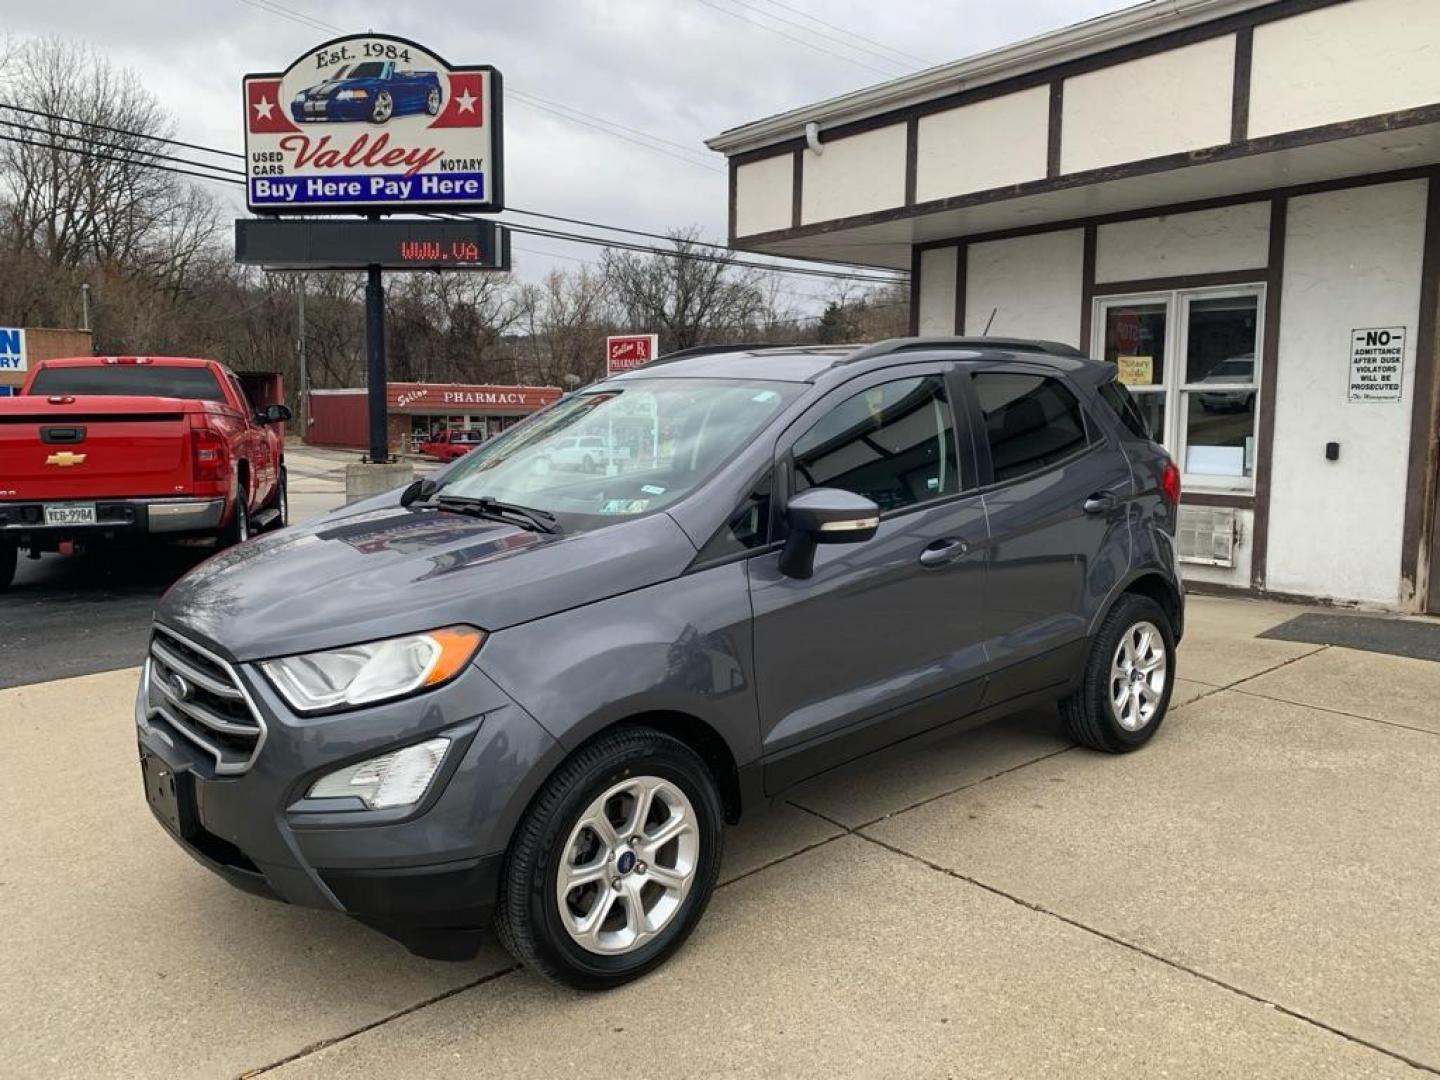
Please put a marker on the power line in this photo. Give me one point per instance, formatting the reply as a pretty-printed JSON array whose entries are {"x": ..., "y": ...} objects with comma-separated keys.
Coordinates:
[
  {"x": 799, "y": 41},
  {"x": 174, "y": 160},
  {"x": 821, "y": 34},
  {"x": 132, "y": 150},
  {"x": 849, "y": 33},
  {"x": 553, "y": 234}
]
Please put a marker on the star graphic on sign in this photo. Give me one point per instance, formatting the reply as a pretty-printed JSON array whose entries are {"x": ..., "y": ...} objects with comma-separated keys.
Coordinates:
[
  {"x": 263, "y": 108},
  {"x": 466, "y": 102}
]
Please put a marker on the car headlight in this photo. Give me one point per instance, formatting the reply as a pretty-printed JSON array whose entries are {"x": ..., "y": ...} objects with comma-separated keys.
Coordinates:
[
  {"x": 400, "y": 778},
  {"x": 352, "y": 95},
  {"x": 375, "y": 671}
]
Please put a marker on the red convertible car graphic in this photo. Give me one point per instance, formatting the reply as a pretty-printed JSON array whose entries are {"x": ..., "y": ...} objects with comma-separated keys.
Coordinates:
[{"x": 373, "y": 91}]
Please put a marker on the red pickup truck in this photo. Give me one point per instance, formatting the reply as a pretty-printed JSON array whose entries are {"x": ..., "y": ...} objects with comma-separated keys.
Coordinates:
[
  {"x": 449, "y": 445},
  {"x": 104, "y": 448}
]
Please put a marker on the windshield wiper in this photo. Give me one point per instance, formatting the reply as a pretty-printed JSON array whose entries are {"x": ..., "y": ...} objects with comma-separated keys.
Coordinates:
[{"x": 494, "y": 509}]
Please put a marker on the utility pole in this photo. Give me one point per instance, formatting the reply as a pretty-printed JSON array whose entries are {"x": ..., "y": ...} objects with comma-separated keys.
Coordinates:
[{"x": 304, "y": 367}]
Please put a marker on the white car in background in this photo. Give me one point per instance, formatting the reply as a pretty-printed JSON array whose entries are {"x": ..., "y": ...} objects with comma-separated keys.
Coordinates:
[{"x": 580, "y": 453}]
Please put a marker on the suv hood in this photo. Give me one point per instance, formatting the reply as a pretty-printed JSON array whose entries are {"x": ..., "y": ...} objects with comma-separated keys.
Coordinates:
[{"x": 352, "y": 577}]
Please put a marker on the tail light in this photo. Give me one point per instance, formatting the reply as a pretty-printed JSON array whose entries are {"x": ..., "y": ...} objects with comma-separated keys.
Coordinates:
[
  {"x": 209, "y": 453},
  {"x": 1170, "y": 483}
]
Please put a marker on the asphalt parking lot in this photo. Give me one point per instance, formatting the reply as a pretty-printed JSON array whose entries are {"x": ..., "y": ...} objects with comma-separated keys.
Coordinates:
[{"x": 1251, "y": 895}]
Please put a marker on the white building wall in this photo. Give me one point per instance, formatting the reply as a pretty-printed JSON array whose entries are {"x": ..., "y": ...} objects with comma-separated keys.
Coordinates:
[
  {"x": 1033, "y": 284},
  {"x": 987, "y": 145},
  {"x": 854, "y": 175},
  {"x": 1352, "y": 260},
  {"x": 1164, "y": 104},
  {"x": 1344, "y": 62},
  {"x": 937, "y": 290},
  {"x": 764, "y": 195},
  {"x": 1200, "y": 242}
]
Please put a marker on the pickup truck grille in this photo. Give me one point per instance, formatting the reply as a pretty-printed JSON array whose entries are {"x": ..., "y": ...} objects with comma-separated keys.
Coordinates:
[{"x": 199, "y": 696}]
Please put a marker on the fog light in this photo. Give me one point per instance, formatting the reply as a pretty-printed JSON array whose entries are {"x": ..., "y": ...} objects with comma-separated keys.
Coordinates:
[{"x": 397, "y": 779}]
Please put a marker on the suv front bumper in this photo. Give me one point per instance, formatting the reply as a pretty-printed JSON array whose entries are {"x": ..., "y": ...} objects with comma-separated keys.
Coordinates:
[{"x": 424, "y": 874}]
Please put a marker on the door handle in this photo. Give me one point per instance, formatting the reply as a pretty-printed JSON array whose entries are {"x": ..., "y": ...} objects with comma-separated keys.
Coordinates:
[
  {"x": 943, "y": 552},
  {"x": 1102, "y": 502}
]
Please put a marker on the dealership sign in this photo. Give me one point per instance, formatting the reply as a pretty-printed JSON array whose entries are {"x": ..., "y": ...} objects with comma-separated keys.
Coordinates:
[
  {"x": 12, "y": 349},
  {"x": 373, "y": 124},
  {"x": 629, "y": 351}
]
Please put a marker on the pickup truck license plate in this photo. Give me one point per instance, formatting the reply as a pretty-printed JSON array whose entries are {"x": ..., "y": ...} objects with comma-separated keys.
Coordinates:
[{"x": 70, "y": 515}]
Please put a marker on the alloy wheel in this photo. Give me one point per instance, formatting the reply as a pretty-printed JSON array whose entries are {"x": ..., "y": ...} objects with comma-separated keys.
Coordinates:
[
  {"x": 1138, "y": 675},
  {"x": 383, "y": 107},
  {"x": 628, "y": 865}
]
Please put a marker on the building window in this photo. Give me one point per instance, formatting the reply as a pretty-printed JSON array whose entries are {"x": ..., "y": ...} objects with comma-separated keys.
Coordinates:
[
  {"x": 1188, "y": 358},
  {"x": 893, "y": 443}
]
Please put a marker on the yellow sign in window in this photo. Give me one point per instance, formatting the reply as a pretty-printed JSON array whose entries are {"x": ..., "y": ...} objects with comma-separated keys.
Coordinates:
[{"x": 1136, "y": 370}]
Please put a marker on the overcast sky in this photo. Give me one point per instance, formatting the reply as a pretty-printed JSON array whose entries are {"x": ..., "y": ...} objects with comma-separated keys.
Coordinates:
[{"x": 679, "y": 70}]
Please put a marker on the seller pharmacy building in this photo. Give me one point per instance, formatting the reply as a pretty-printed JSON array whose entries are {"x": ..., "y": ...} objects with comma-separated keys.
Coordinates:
[
  {"x": 420, "y": 410},
  {"x": 1237, "y": 202}
]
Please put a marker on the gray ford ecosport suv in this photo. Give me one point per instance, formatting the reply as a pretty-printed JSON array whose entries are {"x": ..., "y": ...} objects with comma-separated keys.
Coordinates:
[{"x": 533, "y": 694}]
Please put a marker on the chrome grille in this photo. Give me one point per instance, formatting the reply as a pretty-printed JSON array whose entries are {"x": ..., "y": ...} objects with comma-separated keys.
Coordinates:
[{"x": 199, "y": 695}]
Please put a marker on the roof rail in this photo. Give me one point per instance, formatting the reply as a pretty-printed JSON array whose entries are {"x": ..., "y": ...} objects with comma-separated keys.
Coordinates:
[
  {"x": 1003, "y": 344},
  {"x": 702, "y": 350}
]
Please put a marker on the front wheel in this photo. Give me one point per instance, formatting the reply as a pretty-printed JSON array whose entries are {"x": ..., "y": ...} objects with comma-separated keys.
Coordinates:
[
  {"x": 1125, "y": 692},
  {"x": 614, "y": 864},
  {"x": 9, "y": 557},
  {"x": 383, "y": 108}
]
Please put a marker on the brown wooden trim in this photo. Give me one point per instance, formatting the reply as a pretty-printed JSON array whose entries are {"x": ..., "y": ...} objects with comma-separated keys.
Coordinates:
[
  {"x": 1057, "y": 112},
  {"x": 1269, "y": 365},
  {"x": 1120, "y": 54},
  {"x": 1426, "y": 114},
  {"x": 1420, "y": 542},
  {"x": 1215, "y": 588},
  {"x": 797, "y": 186},
  {"x": 1087, "y": 287},
  {"x": 962, "y": 271},
  {"x": 912, "y": 158},
  {"x": 1240, "y": 95},
  {"x": 734, "y": 196},
  {"x": 1216, "y": 498},
  {"x": 915, "y": 254},
  {"x": 1181, "y": 281}
]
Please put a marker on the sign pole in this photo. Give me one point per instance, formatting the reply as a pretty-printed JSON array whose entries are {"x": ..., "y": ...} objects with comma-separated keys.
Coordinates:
[{"x": 375, "y": 357}]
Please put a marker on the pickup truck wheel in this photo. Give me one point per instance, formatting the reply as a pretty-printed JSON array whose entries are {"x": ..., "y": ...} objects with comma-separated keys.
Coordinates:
[
  {"x": 614, "y": 863},
  {"x": 1125, "y": 691},
  {"x": 8, "y": 557},
  {"x": 238, "y": 531},
  {"x": 282, "y": 499}
]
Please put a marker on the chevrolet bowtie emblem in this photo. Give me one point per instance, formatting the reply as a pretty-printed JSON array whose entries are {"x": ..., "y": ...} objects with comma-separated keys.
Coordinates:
[{"x": 65, "y": 459}]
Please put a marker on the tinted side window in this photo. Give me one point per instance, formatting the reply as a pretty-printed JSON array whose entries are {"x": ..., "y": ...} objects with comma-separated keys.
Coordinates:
[
  {"x": 1119, "y": 399},
  {"x": 893, "y": 443},
  {"x": 1030, "y": 422},
  {"x": 747, "y": 528}
]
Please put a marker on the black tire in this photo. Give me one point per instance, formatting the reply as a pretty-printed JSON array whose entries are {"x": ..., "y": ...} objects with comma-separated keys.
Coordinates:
[
  {"x": 237, "y": 529},
  {"x": 1087, "y": 714},
  {"x": 282, "y": 499},
  {"x": 528, "y": 920},
  {"x": 9, "y": 557},
  {"x": 588, "y": 465}
]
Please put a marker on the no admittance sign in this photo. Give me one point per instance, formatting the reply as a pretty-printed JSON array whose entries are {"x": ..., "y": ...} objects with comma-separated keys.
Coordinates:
[{"x": 1377, "y": 364}]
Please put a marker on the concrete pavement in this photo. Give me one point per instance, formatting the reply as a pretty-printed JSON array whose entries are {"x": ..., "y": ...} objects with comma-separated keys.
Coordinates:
[{"x": 1251, "y": 895}]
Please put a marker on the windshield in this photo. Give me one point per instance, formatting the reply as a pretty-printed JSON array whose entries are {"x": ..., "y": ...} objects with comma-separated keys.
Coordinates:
[
  {"x": 129, "y": 380},
  {"x": 620, "y": 449},
  {"x": 372, "y": 70}
]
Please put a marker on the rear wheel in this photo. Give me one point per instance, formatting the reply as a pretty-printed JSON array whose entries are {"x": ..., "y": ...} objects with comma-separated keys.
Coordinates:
[
  {"x": 613, "y": 865},
  {"x": 1125, "y": 692},
  {"x": 9, "y": 556},
  {"x": 238, "y": 530},
  {"x": 432, "y": 101}
]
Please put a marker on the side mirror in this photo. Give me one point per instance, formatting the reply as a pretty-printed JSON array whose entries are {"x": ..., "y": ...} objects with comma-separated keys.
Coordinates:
[
  {"x": 418, "y": 491},
  {"x": 273, "y": 414},
  {"x": 824, "y": 516}
]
